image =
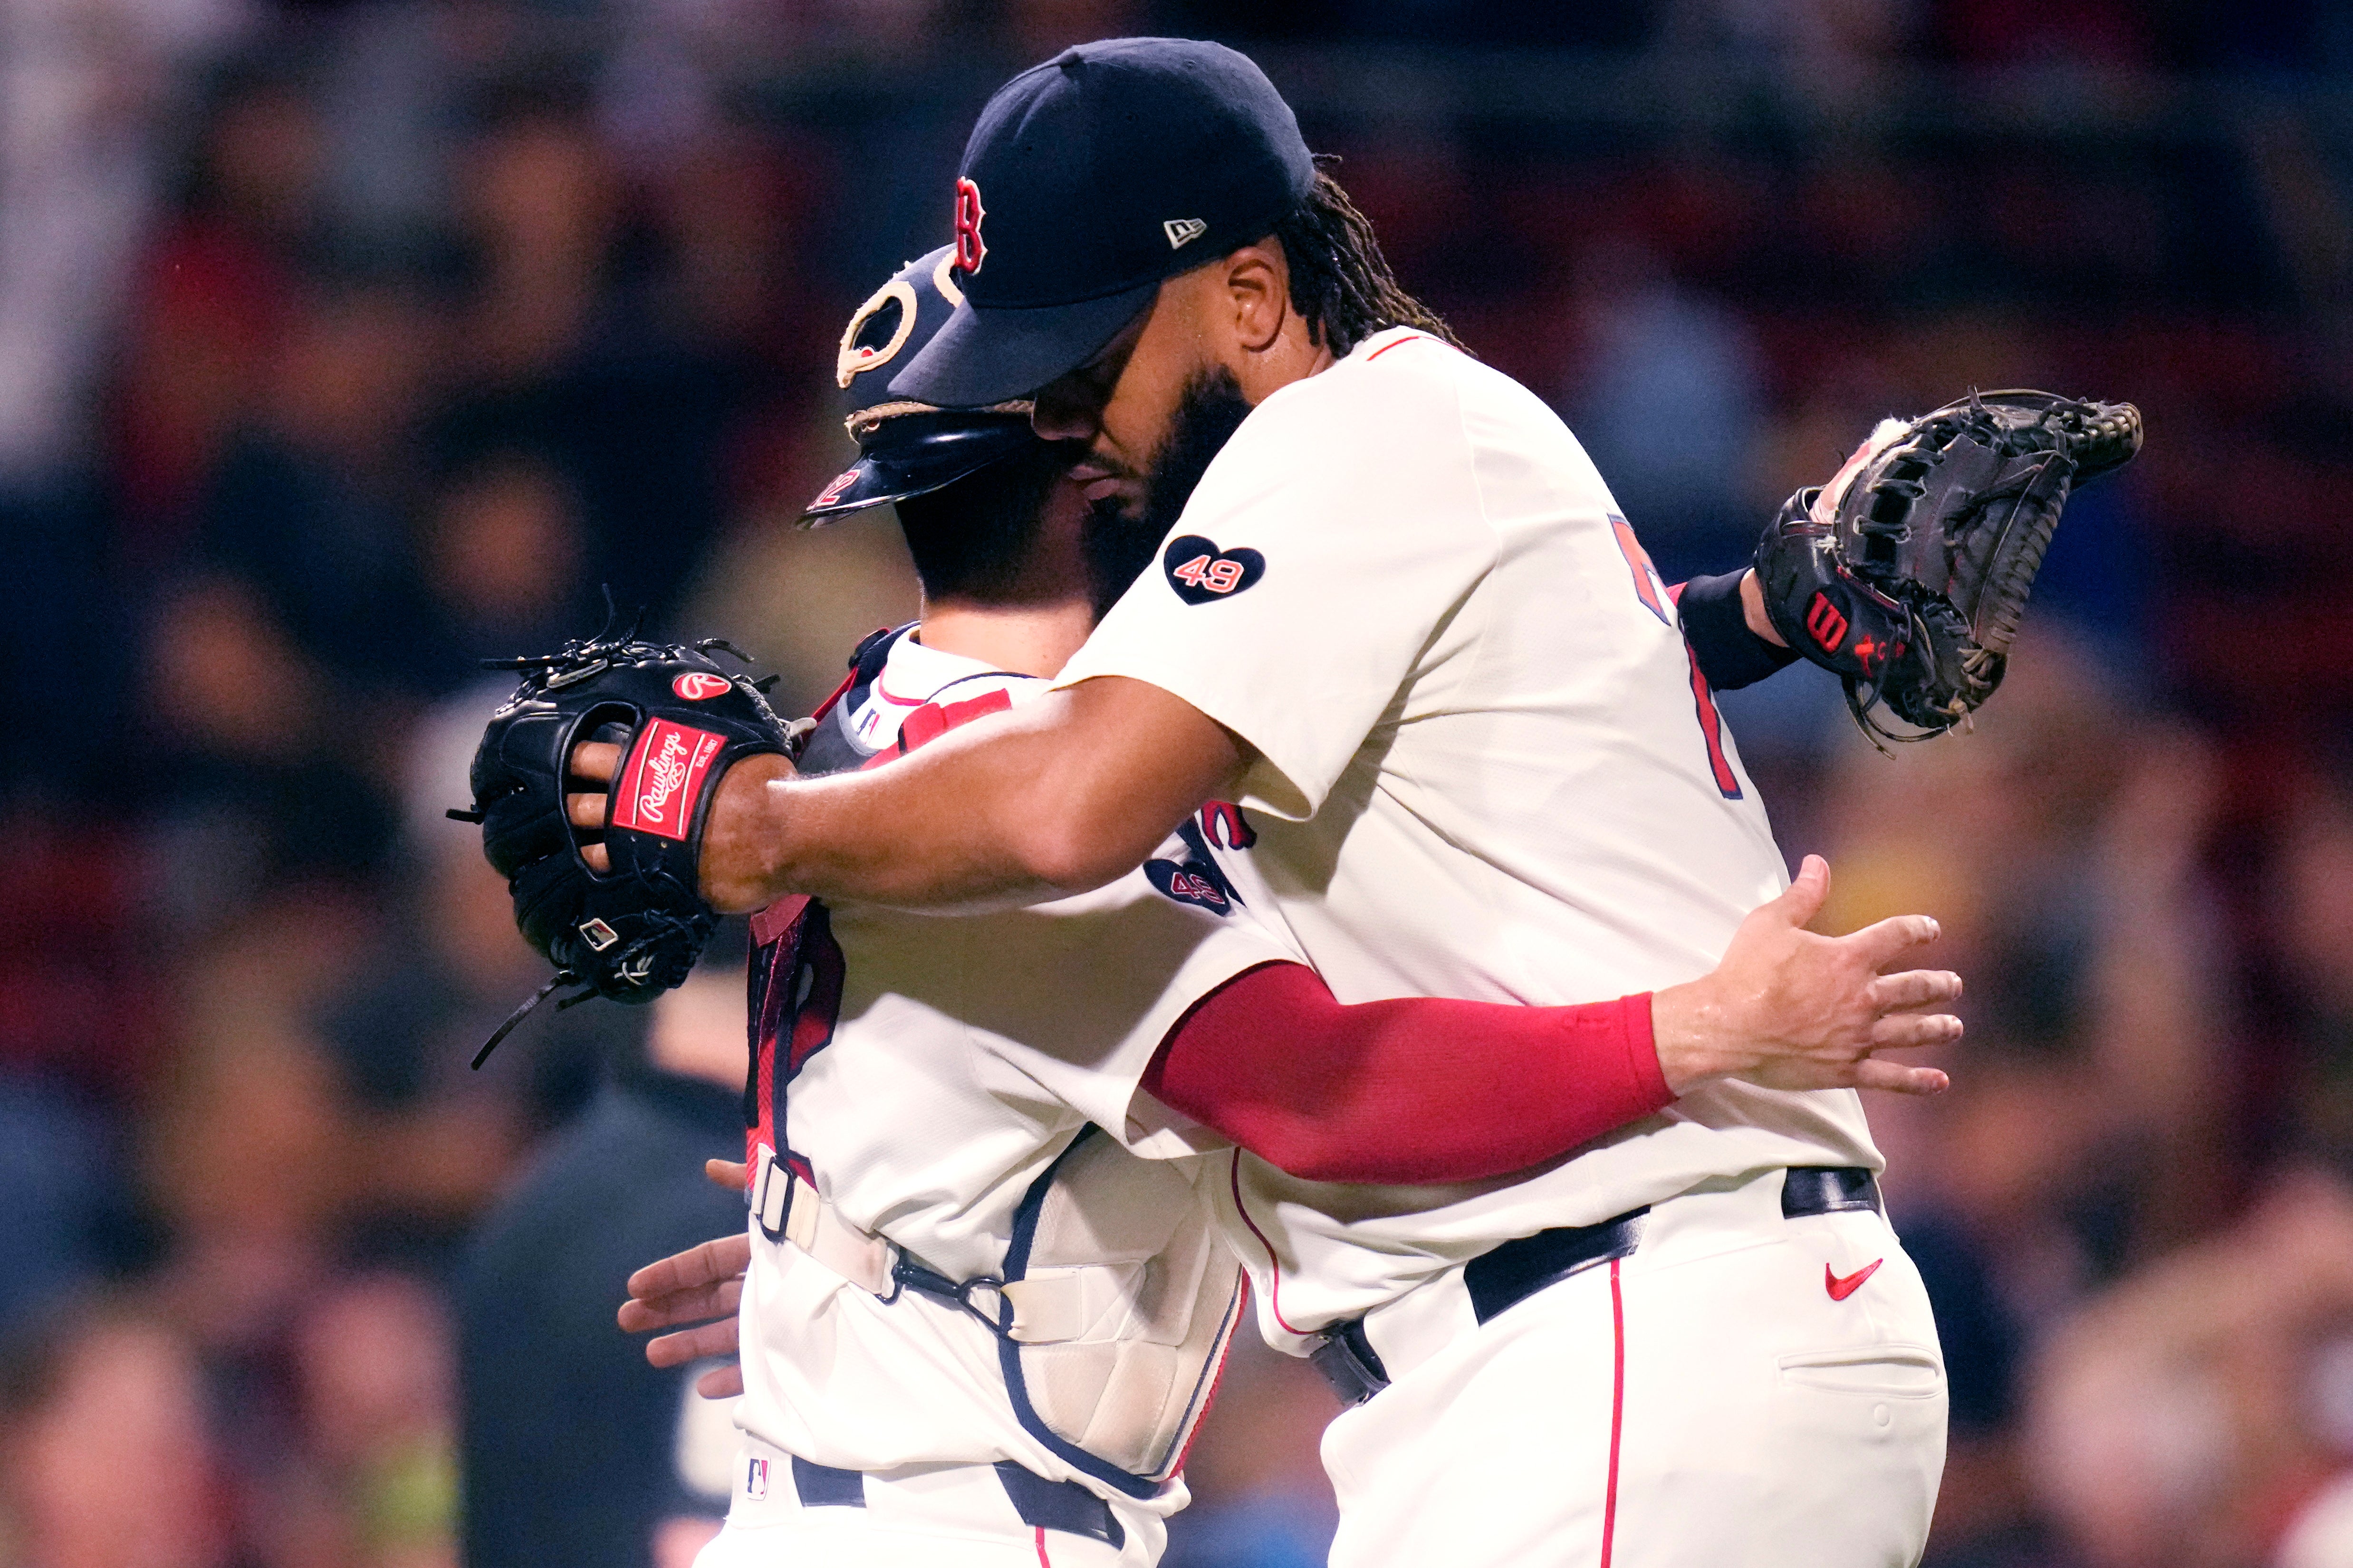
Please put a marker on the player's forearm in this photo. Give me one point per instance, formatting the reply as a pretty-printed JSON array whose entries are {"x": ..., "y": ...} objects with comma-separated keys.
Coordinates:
[
  {"x": 879, "y": 836},
  {"x": 1061, "y": 796},
  {"x": 1417, "y": 1089}
]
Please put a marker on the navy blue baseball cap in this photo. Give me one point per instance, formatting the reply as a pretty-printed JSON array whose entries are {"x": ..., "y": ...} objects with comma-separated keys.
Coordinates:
[
  {"x": 906, "y": 447},
  {"x": 1087, "y": 181}
]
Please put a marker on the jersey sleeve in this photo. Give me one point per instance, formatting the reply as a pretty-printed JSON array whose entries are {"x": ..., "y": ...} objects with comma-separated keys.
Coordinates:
[{"x": 1310, "y": 573}]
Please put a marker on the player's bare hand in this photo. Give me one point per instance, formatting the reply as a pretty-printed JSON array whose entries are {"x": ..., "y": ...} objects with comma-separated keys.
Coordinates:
[
  {"x": 593, "y": 762},
  {"x": 700, "y": 1288},
  {"x": 1787, "y": 1009},
  {"x": 703, "y": 1282}
]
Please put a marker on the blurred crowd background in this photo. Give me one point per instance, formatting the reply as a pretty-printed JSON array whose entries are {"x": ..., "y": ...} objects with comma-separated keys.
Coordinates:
[{"x": 344, "y": 345}]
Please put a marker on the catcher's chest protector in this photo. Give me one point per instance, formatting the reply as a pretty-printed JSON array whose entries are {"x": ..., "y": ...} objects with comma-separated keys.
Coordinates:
[
  {"x": 1122, "y": 1302},
  {"x": 1118, "y": 1301}
]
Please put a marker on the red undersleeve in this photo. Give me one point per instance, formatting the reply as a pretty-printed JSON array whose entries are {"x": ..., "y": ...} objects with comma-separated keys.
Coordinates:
[{"x": 1411, "y": 1090}]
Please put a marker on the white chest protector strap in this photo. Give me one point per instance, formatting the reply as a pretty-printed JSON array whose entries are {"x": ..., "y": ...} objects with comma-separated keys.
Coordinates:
[
  {"x": 1113, "y": 1315},
  {"x": 789, "y": 1209}
]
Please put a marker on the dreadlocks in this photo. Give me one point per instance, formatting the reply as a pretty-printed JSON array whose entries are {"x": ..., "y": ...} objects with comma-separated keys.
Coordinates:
[{"x": 1339, "y": 279}]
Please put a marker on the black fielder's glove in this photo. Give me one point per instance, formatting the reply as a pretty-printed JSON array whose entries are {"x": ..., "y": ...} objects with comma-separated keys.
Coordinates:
[
  {"x": 1907, "y": 573},
  {"x": 635, "y": 930}
]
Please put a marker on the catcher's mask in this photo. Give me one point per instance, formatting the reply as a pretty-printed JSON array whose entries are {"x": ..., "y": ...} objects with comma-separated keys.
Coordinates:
[{"x": 907, "y": 448}]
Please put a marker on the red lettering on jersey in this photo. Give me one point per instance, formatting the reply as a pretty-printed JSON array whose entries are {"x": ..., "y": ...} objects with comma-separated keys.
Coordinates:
[
  {"x": 663, "y": 778},
  {"x": 1655, "y": 596},
  {"x": 1647, "y": 585},
  {"x": 1710, "y": 727},
  {"x": 1193, "y": 571},
  {"x": 1223, "y": 824},
  {"x": 1185, "y": 885}
]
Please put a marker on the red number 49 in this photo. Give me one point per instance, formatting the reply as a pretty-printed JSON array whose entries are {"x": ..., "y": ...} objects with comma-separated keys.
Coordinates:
[
  {"x": 1216, "y": 575},
  {"x": 1651, "y": 592}
]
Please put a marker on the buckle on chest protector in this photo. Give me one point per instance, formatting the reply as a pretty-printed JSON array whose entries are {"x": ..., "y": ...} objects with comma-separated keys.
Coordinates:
[{"x": 789, "y": 1209}]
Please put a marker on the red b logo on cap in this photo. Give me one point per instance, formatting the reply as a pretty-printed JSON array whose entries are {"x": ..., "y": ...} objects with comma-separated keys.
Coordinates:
[{"x": 969, "y": 252}]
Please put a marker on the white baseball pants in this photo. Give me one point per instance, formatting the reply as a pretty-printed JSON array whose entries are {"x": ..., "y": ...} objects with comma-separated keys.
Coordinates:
[
  {"x": 1744, "y": 1391},
  {"x": 941, "y": 1516}
]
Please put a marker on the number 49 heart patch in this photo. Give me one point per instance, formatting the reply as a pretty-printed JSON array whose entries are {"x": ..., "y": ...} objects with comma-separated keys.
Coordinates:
[{"x": 1200, "y": 571}]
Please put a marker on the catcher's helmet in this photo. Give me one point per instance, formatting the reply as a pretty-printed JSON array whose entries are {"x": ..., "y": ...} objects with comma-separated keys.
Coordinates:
[{"x": 908, "y": 448}]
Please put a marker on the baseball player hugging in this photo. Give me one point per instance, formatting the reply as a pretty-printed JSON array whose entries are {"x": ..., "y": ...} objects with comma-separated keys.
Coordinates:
[
  {"x": 967, "y": 1309},
  {"x": 1481, "y": 1031}
]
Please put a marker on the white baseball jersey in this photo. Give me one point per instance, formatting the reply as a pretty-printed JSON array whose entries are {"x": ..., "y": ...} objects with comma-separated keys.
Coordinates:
[
  {"x": 966, "y": 1054},
  {"x": 1491, "y": 770}
]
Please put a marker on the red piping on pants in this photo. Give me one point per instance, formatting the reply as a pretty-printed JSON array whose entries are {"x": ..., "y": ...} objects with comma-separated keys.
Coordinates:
[
  {"x": 1042, "y": 1560},
  {"x": 1273, "y": 1265},
  {"x": 1616, "y": 1410}
]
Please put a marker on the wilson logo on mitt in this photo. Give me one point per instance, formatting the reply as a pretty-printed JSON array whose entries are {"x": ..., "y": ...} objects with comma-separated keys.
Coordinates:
[
  {"x": 1829, "y": 626},
  {"x": 664, "y": 776}
]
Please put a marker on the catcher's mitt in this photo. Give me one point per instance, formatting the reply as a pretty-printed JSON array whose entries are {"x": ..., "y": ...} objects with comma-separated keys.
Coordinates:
[
  {"x": 1906, "y": 575},
  {"x": 634, "y": 931}
]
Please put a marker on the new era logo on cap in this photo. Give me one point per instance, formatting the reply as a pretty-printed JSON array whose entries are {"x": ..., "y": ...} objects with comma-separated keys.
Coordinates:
[{"x": 1183, "y": 231}]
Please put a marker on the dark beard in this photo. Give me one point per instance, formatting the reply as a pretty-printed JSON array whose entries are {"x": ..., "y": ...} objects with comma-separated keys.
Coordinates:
[{"x": 1119, "y": 547}]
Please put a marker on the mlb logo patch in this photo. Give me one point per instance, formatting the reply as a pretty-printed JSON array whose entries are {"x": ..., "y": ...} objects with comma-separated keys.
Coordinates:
[{"x": 755, "y": 1479}]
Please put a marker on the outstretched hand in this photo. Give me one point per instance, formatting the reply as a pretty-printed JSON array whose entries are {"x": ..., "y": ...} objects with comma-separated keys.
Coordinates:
[
  {"x": 1789, "y": 1009},
  {"x": 701, "y": 1287}
]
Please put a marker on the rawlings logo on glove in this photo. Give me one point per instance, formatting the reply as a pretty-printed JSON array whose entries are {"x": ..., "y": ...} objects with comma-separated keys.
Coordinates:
[
  {"x": 1907, "y": 573},
  {"x": 635, "y": 929},
  {"x": 670, "y": 766}
]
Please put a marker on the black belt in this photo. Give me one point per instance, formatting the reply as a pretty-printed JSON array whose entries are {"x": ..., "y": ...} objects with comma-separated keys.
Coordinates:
[
  {"x": 1505, "y": 1276},
  {"x": 1040, "y": 1503}
]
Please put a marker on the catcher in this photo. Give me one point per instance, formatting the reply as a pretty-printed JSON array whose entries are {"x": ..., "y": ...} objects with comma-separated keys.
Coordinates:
[{"x": 974, "y": 534}]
